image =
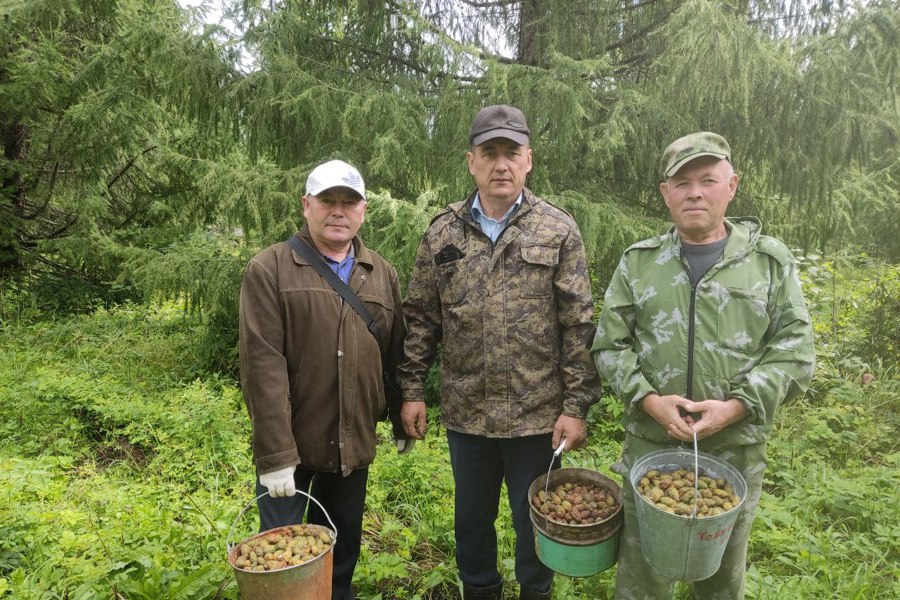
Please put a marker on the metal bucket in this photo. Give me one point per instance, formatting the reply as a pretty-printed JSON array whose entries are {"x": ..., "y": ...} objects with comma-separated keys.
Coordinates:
[
  {"x": 308, "y": 581},
  {"x": 680, "y": 547},
  {"x": 576, "y": 550}
]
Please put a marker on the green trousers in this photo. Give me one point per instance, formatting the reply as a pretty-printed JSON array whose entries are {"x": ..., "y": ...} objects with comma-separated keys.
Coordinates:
[{"x": 636, "y": 580}]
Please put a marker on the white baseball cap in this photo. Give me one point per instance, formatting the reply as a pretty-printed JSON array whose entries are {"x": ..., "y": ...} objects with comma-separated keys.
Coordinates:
[{"x": 334, "y": 173}]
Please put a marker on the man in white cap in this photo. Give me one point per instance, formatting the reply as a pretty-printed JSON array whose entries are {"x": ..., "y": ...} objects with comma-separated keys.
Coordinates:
[{"x": 311, "y": 371}]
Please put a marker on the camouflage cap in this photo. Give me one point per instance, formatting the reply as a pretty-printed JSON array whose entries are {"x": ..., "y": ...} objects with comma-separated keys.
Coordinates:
[
  {"x": 689, "y": 147},
  {"x": 496, "y": 121}
]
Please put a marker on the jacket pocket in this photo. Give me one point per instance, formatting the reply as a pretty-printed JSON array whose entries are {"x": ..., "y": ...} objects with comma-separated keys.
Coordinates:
[
  {"x": 452, "y": 282},
  {"x": 382, "y": 313},
  {"x": 741, "y": 321},
  {"x": 538, "y": 270}
]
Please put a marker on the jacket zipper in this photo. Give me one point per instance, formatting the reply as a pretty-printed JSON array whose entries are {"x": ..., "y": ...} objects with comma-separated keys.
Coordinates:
[
  {"x": 691, "y": 327},
  {"x": 689, "y": 392},
  {"x": 690, "y": 364}
]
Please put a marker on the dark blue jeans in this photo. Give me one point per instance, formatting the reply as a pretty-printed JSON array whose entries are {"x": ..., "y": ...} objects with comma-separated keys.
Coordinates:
[
  {"x": 480, "y": 465},
  {"x": 343, "y": 497}
]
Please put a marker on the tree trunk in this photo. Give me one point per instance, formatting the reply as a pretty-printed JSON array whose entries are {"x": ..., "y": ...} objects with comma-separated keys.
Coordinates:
[
  {"x": 11, "y": 195},
  {"x": 529, "y": 32}
]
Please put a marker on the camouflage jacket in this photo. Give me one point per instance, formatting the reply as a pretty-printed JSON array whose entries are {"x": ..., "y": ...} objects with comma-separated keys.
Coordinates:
[
  {"x": 744, "y": 332},
  {"x": 514, "y": 320}
]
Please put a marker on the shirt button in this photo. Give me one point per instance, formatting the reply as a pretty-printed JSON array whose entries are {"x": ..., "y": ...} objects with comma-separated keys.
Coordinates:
[
  {"x": 341, "y": 445},
  {"x": 343, "y": 467},
  {"x": 331, "y": 442},
  {"x": 363, "y": 277},
  {"x": 340, "y": 353}
]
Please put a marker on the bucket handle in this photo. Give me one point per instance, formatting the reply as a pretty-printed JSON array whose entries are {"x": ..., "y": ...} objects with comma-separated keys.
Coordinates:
[
  {"x": 230, "y": 546},
  {"x": 696, "y": 476}
]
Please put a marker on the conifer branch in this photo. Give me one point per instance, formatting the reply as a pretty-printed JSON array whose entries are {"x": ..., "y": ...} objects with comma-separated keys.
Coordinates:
[
  {"x": 642, "y": 32},
  {"x": 128, "y": 165},
  {"x": 639, "y": 5},
  {"x": 490, "y": 3}
]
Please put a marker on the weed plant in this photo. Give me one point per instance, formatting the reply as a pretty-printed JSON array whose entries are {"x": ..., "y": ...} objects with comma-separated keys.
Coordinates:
[{"x": 124, "y": 465}]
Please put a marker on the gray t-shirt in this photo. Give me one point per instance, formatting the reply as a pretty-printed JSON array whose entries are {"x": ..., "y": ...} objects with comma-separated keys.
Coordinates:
[{"x": 701, "y": 257}]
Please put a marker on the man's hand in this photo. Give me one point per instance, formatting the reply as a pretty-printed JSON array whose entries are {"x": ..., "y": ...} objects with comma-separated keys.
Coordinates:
[
  {"x": 574, "y": 430},
  {"x": 280, "y": 482},
  {"x": 714, "y": 415},
  {"x": 664, "y": 410},
  {"x": 415, "y": 421},
  {"x": 404, "y": 446}
]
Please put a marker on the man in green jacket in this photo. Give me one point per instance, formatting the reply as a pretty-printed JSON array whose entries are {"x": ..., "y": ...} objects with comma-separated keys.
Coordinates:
[
  {"x": 501, "y": 281},
  {"x": 704, "y": 329},
  {"x": 311, "y": 372}
]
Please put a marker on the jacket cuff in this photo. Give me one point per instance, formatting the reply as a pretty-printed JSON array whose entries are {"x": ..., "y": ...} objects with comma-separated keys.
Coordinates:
[
  {"x": 413, "y": 393},
  {"x": 575, "y": 410},
  {"x": 755, "y": 412},
  {"x": 643, "y": 388},
  {"x": 274, "y": 462}
]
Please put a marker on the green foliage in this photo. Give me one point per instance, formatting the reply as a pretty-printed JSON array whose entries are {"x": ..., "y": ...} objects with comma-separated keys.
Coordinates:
[
  {"x": 388, "y": 226},
  {"x": 125, "y": 465},
  {"x": 854, "y": 303},
  {"x": 101, "y": 128},
  {"x": 140, "y": 163},
  {"x": 121, "y": 471},
  {"x": 132, "y": 137}
]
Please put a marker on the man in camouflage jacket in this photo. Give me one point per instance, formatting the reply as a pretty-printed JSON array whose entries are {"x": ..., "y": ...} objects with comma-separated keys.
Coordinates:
[
  {"x": 501, "y": 281},
  {"x": 704, "y": 329}
]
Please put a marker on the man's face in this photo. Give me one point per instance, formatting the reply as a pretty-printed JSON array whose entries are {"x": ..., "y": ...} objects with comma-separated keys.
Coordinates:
[
  {"x": 334, "y": 216},
  {"x": 697, "y": 196},
  {"x": 499, "y": 167}
]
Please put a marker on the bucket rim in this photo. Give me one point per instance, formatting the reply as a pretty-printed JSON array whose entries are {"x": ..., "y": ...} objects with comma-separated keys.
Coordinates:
[
  {"x": 234, "y": 550},
  {"x": 615, "y": 522},
  {"x": 229, "y": 546},
  {"x": 607, "y": 482},
  {"x": 739, "y": 483}
]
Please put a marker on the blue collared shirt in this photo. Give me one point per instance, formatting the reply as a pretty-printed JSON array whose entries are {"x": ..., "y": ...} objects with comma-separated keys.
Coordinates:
[
  {"x": 492, "y": 227},
  {"x": 345, "y": 267}
]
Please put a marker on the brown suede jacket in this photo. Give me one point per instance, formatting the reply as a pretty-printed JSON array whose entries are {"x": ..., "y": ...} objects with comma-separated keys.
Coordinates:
[{"x": 310, "y": 369}]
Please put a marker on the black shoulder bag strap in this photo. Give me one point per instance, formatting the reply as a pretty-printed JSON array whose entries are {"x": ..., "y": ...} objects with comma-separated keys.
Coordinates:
[
  {"x": 392, "y": 391},
  {"x": 316, "y": 262}
]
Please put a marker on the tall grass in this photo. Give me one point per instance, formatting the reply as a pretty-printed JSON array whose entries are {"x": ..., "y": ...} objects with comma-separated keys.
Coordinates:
[{"x": 123, "y": 465}]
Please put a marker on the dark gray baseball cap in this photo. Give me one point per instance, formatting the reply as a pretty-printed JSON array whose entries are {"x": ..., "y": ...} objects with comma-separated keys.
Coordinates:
[
  {"x": 687, "y": 148},
  {"x": 499, "y": 121}
]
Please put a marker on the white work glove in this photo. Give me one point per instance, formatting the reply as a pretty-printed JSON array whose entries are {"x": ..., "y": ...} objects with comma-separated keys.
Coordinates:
[
  {"x": 280, "y": 482},
  {"x": 404, "y": 446}
]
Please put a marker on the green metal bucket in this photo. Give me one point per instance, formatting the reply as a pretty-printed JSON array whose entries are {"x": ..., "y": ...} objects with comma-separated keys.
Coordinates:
[
  {"x": 685, "y": 548},
  {"x": 577, "y": 550}
]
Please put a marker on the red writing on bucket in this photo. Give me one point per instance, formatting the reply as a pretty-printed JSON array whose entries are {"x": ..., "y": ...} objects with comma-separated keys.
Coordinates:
[{"x": 718, "y": 537}]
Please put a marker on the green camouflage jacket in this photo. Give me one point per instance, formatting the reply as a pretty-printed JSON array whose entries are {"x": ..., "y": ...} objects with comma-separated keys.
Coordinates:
[
  {"x": 514, "y": 320},
  {"x": 744, "y": 332}
]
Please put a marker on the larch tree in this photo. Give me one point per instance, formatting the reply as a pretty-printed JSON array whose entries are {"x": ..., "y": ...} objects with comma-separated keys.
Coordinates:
[{"x": 137, "y": 150}]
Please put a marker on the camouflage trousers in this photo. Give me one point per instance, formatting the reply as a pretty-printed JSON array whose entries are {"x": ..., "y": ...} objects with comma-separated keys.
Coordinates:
[{"x": 636, "y": 580}]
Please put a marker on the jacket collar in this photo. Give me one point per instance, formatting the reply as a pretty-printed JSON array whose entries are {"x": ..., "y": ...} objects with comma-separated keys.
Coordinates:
[
  {"x": 363, "y": 254},
  {"x": 743, "y": 233},
  {"x": 463, "y": 209}
]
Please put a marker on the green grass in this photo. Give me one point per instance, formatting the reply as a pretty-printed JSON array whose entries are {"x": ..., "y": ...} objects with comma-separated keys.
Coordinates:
[{"x": 123, "y": 465}]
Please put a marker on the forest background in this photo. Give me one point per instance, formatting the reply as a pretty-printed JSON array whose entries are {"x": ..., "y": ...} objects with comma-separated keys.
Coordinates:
[{"x": 148, "y": 154}]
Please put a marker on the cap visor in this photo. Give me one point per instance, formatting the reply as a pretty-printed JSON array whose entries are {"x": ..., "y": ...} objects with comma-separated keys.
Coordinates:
[
  {"x": 316, "y": 192},
  {"x": 677, "y": 166},
  {"x": 516, "y": 136}
]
